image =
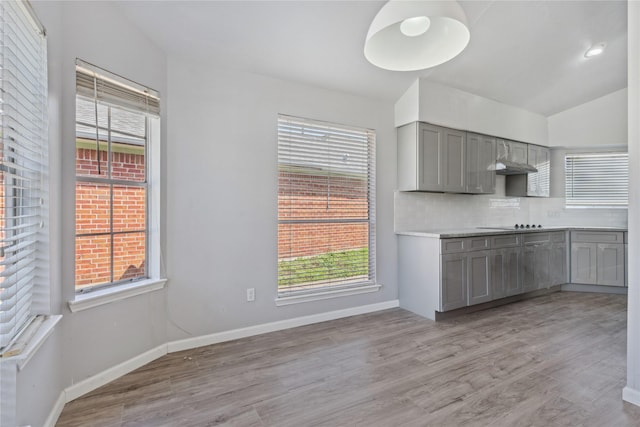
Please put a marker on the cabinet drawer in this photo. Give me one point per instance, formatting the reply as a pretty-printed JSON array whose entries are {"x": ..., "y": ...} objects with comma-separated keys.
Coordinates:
[
  {"x": 597, "y": 236},
  {"x": 558, "y": 237},
  {"x": 506, "y": 241},
  {"x": 532, "y": 238},
  {"x": 478, "y": 243},
  {"x": 452, "y": 246}
]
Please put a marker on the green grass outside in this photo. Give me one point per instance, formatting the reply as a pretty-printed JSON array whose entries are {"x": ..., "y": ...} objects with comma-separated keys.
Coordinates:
[{"x": 332, "y": 265}]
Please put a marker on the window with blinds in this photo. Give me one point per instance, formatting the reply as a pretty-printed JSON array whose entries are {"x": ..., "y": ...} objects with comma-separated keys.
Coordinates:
[
  {"x": 24, "y": 286},
  {"x": 112, "y": 140},
  {"x": 597, "y": 180},
  {"x": 326, "y": 206}
]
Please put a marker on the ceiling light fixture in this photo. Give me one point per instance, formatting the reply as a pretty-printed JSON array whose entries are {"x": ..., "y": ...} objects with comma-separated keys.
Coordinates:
[
  {"x": 409, "y": 35},
  {"x": 595, "y": 50}
]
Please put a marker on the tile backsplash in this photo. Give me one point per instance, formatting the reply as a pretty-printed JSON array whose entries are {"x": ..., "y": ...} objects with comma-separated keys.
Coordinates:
[{"x": 431, "y": 211}]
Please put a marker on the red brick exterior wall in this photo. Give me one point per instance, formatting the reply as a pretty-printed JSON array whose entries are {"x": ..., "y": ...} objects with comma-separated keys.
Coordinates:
[
  {"x": 316, "y": 197},
  {"x": 93, "y": 253}
]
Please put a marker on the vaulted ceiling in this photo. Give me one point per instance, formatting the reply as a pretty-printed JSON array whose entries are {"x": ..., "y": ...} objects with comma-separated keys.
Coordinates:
[{"x": 528, "y": 54}]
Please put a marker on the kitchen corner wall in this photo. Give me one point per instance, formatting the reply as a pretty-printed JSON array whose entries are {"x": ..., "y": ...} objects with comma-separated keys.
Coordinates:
[{"x": 598, "y": 125}]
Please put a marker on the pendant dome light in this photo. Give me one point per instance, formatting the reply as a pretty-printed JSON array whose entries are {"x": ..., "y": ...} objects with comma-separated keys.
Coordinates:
[{"x": 409, "y": 35}]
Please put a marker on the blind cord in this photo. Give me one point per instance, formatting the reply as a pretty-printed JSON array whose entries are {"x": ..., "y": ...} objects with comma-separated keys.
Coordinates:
[{"x": 95, "y": 106}]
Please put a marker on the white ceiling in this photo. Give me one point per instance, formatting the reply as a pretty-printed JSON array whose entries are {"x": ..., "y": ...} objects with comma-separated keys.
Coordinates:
[{"x": 528, "y": 54}]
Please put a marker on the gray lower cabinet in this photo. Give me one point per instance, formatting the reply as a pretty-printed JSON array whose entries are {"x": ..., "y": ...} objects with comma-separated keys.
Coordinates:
[
  {"x": 610, "y": 264},
  {"x": 465, "y": 272},
  {"x": 479, "y": 277},
  {"x": 559, "y": 272},
  {"x": 584, "y": 263},
  {"x": 597, "y": 258},
  {"x": 453, "y": 286},
  {"x": 536, "y": 260},
  {"x": 506, "y": 265}
]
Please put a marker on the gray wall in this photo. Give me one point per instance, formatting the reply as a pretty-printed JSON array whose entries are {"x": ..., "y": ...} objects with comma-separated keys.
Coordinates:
[{"x": 222, "y": 194}]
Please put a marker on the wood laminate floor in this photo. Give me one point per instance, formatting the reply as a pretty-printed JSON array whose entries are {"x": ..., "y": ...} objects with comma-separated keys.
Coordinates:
[{"x": 556, "y": 360}]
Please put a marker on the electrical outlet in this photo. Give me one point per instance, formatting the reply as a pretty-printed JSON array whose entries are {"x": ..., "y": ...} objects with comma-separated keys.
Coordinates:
[{"x": 251, "y": 294}]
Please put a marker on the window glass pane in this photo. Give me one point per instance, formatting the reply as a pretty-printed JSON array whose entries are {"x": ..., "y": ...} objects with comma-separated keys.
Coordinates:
[
  {"x": 91, "y": 157},
  {"x": 129, "y": 208},
  {"x": 326, "y": 195},
  {"x": 93, "y": 260},
  {"x": 320, "y": 254},
  {"x": 128, "y": 161},
  {"x": 129, "y": 254},
  {"x": 128, "y": 123},
  {"x": 92, "y": 208}
]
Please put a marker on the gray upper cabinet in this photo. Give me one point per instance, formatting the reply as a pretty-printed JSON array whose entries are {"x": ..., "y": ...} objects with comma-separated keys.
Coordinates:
[
  {"x": 431, "y": 158},
  {"x": 538, "y": 182},
  {"x": 481, "y": 164},
  {"x": 533, "y": 184},
  {"x": 511, "y": 151},
  {"x": 454, "y": 166}
]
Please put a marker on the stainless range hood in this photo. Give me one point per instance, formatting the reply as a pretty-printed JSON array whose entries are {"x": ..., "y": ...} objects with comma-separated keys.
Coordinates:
[
  {"x": 512, "y": 158},
  {"x": 506, "y": 167}
]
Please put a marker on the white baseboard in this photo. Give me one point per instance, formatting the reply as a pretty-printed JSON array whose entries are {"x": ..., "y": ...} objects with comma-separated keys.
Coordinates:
[
  {"x": 631, "y": 395},
  {"x": 85, "y": 386},
  {"x": 55, "y": 412},
  {"x": 264, "y": 328}
]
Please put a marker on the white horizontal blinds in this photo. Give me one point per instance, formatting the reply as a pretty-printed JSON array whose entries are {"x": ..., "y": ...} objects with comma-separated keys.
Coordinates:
[
  {"x": 326, "y": 218},
  {"x": 600, "y": 179},
  {"x": 92, "y": 81},
  {"x": 23, "y": 168}
]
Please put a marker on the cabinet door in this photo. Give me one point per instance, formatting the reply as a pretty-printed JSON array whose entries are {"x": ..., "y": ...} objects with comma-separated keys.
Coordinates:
[
  {"x": 512, "y": 271},
  {"x": 481, "y": 161},
  {"x": 453, "y": 288},
  {"x": 454, "y": 161},
  {"x": 538, "y": 182},
  {"x": 536, "y": 264},
  {"x": 430, "y": 158},
  {"x": 518, "y": 152},
  {"x": 528, "y": 268},
  {"x": 558, "y": 264},
  {"x": 542, "y": 265},
  {"x": 505, "y": 273},
  {"x": 498, "y": 274},
  {"x": 479, "y": 278},
  {"x": 610, "y": 260},
  {"x": 583, "y": 263}
]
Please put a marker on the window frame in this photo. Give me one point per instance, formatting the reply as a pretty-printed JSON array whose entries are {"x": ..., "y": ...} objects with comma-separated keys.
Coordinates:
[
  {"x": 102, "y": 293},
  {"x": 333, "y": 289},
  {"x": 591, "y": 163}
]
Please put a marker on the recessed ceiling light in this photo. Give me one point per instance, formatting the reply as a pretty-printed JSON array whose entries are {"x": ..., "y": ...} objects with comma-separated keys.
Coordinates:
[{"x": 595, "y": 50}]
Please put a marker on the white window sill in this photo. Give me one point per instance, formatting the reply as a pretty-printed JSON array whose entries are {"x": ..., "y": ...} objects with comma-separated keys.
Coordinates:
[
  {"x": 43, "y": 328},
  {"x": 116, "y": 293},
  {"x": 326, "y": 294}
]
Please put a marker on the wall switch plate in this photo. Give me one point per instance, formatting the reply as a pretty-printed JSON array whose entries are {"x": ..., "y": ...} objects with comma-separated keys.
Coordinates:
[{"x": 251, "y": 294}]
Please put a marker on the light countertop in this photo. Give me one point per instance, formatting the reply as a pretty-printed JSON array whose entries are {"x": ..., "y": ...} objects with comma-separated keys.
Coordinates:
[{"x": 471, "y": 232}]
